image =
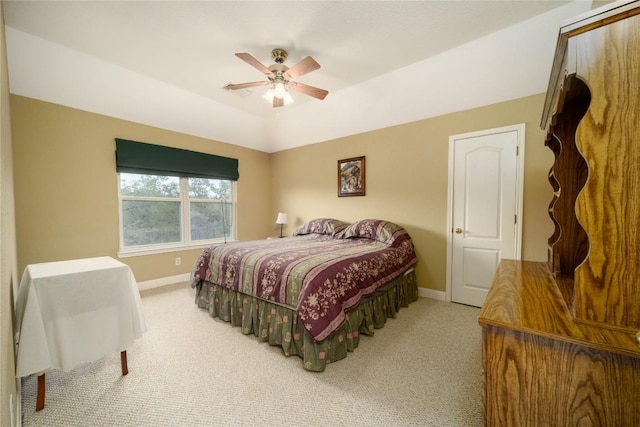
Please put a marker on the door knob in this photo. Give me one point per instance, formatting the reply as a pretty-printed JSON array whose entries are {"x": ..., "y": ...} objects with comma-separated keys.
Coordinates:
[{"x": 458, "y": 230}]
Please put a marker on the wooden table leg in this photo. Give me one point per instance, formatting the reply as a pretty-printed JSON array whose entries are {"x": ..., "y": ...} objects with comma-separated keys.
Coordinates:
[
  {"x": 123, "y": 362},
  {"x": 42, "y": 383},
  {"x": 40, "y": 398}
]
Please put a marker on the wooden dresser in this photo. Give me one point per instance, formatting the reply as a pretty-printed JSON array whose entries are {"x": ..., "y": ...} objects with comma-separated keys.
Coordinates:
[{"x": 560, "y": 338}]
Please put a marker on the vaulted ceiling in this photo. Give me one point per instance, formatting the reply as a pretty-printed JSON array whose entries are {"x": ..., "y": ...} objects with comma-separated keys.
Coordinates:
[{"x": 165, "y": 63}]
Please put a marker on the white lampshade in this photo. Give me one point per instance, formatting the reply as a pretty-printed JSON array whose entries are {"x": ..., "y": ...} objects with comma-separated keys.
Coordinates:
[
  {"x": 282, "y": 218},
  {"x": 279, "y": 90},
  {"x": 269, "y": 96},
  {"x": 287, "y": 98}
]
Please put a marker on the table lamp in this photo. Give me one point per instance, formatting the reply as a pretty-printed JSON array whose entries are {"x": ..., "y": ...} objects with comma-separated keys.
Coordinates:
[{"x": 282, "y": 219}]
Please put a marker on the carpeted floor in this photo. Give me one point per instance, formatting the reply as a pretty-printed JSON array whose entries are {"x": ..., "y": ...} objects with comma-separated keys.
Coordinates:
[{"x": 421, "y": 369}]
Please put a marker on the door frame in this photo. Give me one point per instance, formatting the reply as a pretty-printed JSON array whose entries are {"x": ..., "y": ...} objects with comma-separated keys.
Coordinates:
[{"x": 520, "y": 130}]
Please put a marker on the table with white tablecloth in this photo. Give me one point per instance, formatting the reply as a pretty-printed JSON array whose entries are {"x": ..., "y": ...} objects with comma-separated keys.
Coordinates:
[{"x": 73, "y": 312}]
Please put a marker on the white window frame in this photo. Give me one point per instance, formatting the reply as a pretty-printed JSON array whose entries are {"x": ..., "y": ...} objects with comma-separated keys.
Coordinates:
[{"x": 185, "y": 219}]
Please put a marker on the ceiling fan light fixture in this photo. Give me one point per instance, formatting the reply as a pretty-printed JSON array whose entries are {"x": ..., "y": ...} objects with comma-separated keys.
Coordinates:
[{"x": 278, "y": 90}]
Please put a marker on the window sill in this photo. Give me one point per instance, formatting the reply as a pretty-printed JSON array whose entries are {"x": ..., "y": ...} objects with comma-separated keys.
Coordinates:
[{"x": 133, "y": 252}]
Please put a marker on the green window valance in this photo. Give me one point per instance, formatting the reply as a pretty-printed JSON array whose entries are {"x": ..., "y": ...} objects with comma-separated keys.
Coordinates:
[{"x": 150, "y": 159}]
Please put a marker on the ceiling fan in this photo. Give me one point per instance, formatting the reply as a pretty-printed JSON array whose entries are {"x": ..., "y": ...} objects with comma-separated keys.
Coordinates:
[{"x": 280, "y": 78}]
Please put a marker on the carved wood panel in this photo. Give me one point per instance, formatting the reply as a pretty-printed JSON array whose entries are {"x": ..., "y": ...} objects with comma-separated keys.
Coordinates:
[{"x": 608, "y": 283}]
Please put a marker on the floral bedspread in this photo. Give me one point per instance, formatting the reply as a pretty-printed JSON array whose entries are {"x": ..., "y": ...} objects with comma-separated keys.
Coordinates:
[{"x": 319, "y": 276}]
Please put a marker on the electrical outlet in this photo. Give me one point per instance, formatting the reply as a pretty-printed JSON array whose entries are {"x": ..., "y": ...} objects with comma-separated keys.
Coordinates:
[{"x": 178, "y": 261}]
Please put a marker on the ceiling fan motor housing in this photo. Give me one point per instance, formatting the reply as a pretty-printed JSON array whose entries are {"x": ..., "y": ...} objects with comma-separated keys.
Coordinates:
[{"x": 279, "y": 55}]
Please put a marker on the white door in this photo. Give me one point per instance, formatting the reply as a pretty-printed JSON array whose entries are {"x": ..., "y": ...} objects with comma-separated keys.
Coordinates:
[{"x": 485, "y": 197}]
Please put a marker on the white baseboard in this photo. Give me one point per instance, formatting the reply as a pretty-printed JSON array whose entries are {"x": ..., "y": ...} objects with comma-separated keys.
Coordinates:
[
  {"x": 18, "y": 418},
  {"x": 163, "y": 281},
  {"x": 432, "y": 293}
]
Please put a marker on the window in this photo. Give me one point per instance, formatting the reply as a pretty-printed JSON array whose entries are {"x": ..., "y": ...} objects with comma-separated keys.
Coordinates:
[
  {"x": 210, "y": 208},
  {"x": 158, "y": 212},
  {"x": 173, "y": 198}
]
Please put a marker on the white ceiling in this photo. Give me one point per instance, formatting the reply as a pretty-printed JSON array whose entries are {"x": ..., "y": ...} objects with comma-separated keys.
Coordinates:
[{"x": 381, "y": 60}]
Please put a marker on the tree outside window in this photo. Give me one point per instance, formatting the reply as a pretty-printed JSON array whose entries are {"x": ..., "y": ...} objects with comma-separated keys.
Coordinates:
[{"x": 163, "y": 210}]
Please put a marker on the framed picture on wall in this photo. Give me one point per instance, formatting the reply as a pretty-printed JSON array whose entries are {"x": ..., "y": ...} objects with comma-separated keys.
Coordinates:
[{"x": 351, "y": 177}]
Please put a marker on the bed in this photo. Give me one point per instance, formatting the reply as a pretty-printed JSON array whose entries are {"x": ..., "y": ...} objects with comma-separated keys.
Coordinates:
[{"x": 313, "y": 293}]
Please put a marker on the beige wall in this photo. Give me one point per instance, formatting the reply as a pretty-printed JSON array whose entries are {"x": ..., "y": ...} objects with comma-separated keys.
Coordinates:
[
  {"x": 407, "y": 180},
  {"x": 8, "y": 268},
  {"x": 66, "y": 187},
  {"x": 67, "y": 193}
]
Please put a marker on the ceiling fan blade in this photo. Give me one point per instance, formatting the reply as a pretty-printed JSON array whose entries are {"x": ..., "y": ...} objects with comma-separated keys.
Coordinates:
[
  {"x": 309, "y": 90},
  {"x": 278, "y": 102},
  {"x": 303, "y": 67},
  {"x": 246, "y": 57},
  {"x": 232, "y": 86}
]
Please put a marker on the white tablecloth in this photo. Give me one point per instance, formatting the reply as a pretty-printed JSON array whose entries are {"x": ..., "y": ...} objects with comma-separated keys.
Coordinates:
[{"x": 74, "y": 312}]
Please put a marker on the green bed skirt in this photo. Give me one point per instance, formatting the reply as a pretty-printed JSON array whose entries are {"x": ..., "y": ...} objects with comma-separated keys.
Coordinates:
[{"x": 280, "y": 325}]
